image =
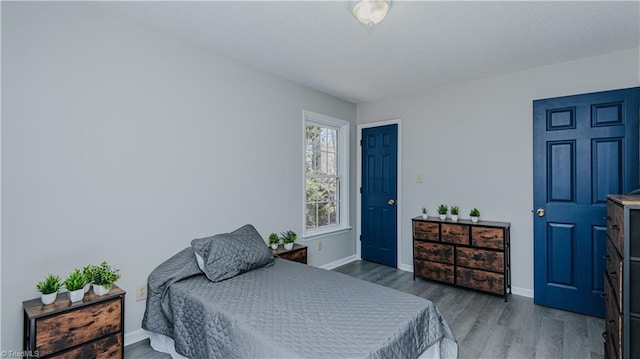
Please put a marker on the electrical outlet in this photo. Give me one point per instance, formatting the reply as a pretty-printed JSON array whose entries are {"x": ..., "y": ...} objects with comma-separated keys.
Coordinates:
[
  {"x": 141, "y": 292},
  {"x": 319, "y": 245}
]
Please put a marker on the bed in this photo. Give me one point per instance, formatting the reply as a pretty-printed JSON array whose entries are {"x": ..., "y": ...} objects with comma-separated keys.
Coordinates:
[{"x": 264, "y": 307}]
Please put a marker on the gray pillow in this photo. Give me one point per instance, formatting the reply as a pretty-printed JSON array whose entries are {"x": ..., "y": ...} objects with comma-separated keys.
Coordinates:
[{"x": 228, "y": 254}]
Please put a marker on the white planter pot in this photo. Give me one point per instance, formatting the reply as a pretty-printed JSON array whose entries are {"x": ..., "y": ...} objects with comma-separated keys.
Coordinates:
[
  {"x": 76, "y": 295},
  {"x": 424, "y": 216},
  {"x": 100, "y": 290},
  {"x": 48, "y": 298},
  {"x": 274, "y": 246},
  {"x": 443, "y": 217},
  {"x": 87, "y": 287},
  {"x": 475, "y": 219},
  {"x": 454, "y": 218},
  {"x": 288, "y": 245}
]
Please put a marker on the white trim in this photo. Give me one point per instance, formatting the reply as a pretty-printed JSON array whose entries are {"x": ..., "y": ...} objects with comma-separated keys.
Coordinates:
[
  {"x": 135, "y": 336},
  {"x": 329, "y": 231},
  {"x": 344, "y": 136},
  {"x": 339, "y": 262},
  {"x": 405, "y": 267},
  {"x": 398, "y": 181},
  {"x": 523, "y": 292}
]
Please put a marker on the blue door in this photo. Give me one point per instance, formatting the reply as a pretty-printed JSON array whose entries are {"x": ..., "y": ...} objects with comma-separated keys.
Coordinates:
[
  {"x": 379, "y": 177},
  {"x": 584, "y": 147}
]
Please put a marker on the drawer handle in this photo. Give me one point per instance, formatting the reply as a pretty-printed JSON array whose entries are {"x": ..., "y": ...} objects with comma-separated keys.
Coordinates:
[
  {"x": 479, "y": 280},
  {"x": 613, "y": 274},
  {"x": 614, "y": 227},
  {"x": 603, "y": 295},
  {"x": 604, "y": 335},
  {"x": 606, "y": 218},
  {"x": 82, "y": 326}
]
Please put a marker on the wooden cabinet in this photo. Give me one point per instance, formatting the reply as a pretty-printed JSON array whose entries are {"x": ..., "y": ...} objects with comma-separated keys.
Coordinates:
[
  {"x": 297, "y": 254},
  {"x": 91, "y": 328},
  {"x": 465, "y": 254},
  {"x": 622, "y": 278}
]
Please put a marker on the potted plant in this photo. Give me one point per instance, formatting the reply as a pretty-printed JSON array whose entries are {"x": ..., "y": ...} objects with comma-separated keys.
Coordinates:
[
  {"x": 424, "y": 212},
  {"x": 288, "y": 238},
  {"x": 274, "y": 240},
  {"x": 75, "y": 285},
  {"x": 475, "y": 215},
  {"x": 103, "y": 278},
  {"x": 88, "y": 272},
  {"x": 442, "y": 211},
  {"x": 455, "y": 211},
  {"x": 49, "y": 289}
]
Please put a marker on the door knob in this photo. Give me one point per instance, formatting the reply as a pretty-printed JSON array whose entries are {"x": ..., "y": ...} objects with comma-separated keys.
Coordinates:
[
  {"x": 391, "y": 202},
  {"x": 540, "y": 212}
]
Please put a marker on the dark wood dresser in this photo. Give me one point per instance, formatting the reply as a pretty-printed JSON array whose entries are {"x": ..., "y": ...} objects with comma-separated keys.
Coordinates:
[
  {"x": 91, "y": 328},
  {"x": 297, "y": 254},
  {"x": 622, "y": 278},
  {"x": 465, "y": 254}
]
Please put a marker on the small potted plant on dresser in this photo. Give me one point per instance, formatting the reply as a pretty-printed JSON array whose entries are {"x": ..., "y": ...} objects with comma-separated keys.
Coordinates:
[
  {"x": 288, "y": 238},
  {"x": 424, "y": 212},
  {"x": 274, "y": 240},
  {"x": 442, "y": 211},
  {"x": 103, "y": 278},
  {"x": 455, "y": 211},
  {"x": 75, "y": 283},
  {"x": 49, "y": 289},
  {"x": 475, "y": 215}
]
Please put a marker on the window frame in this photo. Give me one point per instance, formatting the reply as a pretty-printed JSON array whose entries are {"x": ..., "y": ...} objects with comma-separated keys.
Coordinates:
[{"x": 342, "y": 127}]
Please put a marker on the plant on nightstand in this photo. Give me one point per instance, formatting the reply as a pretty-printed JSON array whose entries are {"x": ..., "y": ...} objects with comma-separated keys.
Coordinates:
[
  {"x": 274, "y": 240},
  {"x": 455, "y": 211},
  {"x": 425, "y": 211},
  {"x": 103, "y": 278},
  {"x": 475, "y": 215},
  {"x": 442, "y": 211},
  {"x": 288, "y": 238},
  {"x": 49, "y": 288},
  {"x": 75, "y": 285}
]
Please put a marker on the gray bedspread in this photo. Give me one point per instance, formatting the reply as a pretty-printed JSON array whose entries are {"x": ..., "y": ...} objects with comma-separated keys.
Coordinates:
[{"x": 289, "y": 310}]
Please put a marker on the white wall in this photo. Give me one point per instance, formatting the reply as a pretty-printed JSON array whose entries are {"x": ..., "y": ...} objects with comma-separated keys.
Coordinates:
[
  {"x": 122, "y": 144},
  {"x": 473, "y": 144}
]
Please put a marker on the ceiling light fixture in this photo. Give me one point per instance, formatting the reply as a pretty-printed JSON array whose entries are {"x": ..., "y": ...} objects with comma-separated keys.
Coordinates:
[{"x": 370, "y": 12}]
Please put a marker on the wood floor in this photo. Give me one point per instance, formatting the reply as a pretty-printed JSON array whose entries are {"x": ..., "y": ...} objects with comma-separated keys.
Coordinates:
[{"x": 484, "y": 325}]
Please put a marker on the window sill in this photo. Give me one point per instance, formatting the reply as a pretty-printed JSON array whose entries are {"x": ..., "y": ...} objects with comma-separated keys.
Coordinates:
[{"x": 325, "y": 232}]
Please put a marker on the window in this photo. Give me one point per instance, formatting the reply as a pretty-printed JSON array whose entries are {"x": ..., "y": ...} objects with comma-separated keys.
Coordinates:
[{"x": 326, "y": 181}]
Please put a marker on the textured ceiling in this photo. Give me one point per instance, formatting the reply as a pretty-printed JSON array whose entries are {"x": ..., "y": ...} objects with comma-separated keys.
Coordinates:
[{"x": 419, "y": 46}]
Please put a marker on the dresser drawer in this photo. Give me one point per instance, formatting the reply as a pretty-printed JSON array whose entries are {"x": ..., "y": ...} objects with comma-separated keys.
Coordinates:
[
  {"x": 613, "y": 322},
  {"x": 480, "y": 259},
  {"x": 614, "y": 272},
  {"x": 455, "y": 233},
  {"x": 426, "y": 231},
  {"x": 442, "y": 253},
  {"x": 106, "y": 348},
  {"x": 77, "y": 326},
  {"x": 434, "y": 271},
  {"x": 487, "y": 237},
  {"x": 615, "y": 225},
  {"x": 480, "y": 280}
]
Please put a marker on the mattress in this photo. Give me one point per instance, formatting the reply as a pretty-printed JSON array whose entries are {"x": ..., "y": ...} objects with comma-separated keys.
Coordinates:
[{"x": 290, "y": 310}]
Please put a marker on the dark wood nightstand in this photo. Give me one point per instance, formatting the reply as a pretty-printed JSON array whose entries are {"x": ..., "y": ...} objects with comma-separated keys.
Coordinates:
[
  {"x": 91, "y": 328},
  {"x": 297, "y": 254}
]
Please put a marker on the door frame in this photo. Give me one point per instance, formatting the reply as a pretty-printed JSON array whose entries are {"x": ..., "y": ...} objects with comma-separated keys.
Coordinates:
[{"x": 398, "y": 184}]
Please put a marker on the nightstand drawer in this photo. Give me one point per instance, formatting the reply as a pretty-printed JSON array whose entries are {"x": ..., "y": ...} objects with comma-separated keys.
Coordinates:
[
  {"x": 299, "y": 255},
  {"x": 109, "y": 347},
  {"x": 68, "y": 329}
]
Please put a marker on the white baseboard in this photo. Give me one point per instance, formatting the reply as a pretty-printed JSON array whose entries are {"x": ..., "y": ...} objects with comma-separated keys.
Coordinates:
[
  {"x": 135, "y": 336},
  {"x": 405, "y": 267},
  {"x": 339, "y": 262},
  {"x": 523, "y": 292}
]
